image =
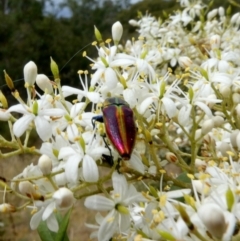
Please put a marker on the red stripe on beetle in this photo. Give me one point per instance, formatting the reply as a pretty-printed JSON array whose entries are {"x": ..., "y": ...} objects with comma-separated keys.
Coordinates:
[{"x": 120, "y": 126}]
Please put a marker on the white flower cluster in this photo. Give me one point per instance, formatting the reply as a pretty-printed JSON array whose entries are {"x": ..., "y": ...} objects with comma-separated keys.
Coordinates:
[{"x": 181, "y": 78}]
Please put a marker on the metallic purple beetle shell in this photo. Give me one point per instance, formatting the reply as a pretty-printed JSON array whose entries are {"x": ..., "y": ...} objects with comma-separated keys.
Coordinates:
[{"x": 120, "y": 126}]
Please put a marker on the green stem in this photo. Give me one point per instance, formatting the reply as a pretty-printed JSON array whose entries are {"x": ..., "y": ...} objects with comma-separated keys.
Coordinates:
[{"x": 49, "y": 177}]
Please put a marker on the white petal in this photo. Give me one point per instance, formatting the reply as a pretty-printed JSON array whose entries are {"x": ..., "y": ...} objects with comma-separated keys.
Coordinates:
[
  {"x": 66, "y": 152},
  {"x": 18, "y": 108},
  {"x": 67, "y": 90},
  {"x": 145, "y": 104},
  {"x": 71, "y": 168},
  {"x": 99, "y": 203},
  {"x": 36, "y": 219},
  {"x": 120, "y": 184},
  {"x": 72, "y": 132},
  {"x": 204, "y": 107},
  {"x": 124, "y": 222},
  {"x": 90, "y": 169},
  {"x": 178, "y": 193},
  {"x": 48, "y": 211},
  {"x": 184, "y": 115},
  {"x": 43, "y": 128},
  {"x": 108, "y": 227},
  {"x": 52, "y": 223},
  {"x": 111, "y": 78},
  {"x": 93, "y": 96},
  {"x": 21, "y": 125},
  {"x": 52, "y": 112},
  {"x": 169, "y": 106},
  {"x": 122, "y": 62},
  {"x": 96, "y": 76},
  {"x": 136, "y": 163},
  {"x": 76, "y": 109}
]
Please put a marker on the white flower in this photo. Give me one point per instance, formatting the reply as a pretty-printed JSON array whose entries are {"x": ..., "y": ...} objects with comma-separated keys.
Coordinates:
[
  {"x": 74, "y": 155},
  {"x": 118, "y": 218},
  {"x": 92, "y": 96},
  {"x": 37, "y": 114}
]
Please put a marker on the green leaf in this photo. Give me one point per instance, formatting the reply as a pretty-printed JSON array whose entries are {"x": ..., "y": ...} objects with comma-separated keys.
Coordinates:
[
  {"x": 183, "y": 178},
  {"x": 44, "y": 233},
  {"x": 63, "y": 225}
]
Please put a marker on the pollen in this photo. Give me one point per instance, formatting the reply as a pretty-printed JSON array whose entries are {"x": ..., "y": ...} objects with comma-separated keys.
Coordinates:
[
  {"x": 190, "y": 176},
  {"x": 162, "y": 200},
  {"x": 162, "y": 171},
  {"x": 138, "y": 237},
  {"x": 108, "y": 41},
  {"x": 110, "y": 220},
  {"x": 230, "y": 153},
  {"x": 116, "y": 195},
  {"x": 34, "y": 211}
]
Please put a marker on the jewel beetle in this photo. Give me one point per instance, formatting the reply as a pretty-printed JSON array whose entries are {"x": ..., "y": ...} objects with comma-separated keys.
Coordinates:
[{"x": 120, "y": 126}]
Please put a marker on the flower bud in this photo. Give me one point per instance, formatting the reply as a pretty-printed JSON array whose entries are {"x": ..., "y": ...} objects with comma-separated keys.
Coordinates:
[
  {"x": 98, "y": 34},
  {"x": 4, "y": 115},
  {"x": 224, "y": 148},
  {"x": 133, "y": 22},
  {"x": 207, "y": 126},
  {"x": 171, "y": 157},
  {"x": 225, "y": 91},
  {"x": 212, "y": 14},
  {"x": 236, "y": 98},
  {"x": 184, "y": 61},
  {"x": 44, "y": 83},
  {"x": 7, "y": 208},
  {"x": 198, "y": 134},
  {"x": 238, "y": 140},
  {"x": 54, "y": 69},
  {"x": 3, "y": 100},
  {"x": 64, "y": 198},
  {"x": 30, "y": 73},
  {"x": 218, "y": 121},
  {"x": 200, "y": 164},
  {"x": 235, "y": 18},
  {"x": 238, "y": 110},
  {"x": 233, "y": 138},
  {"x": 45, "y": 164},
  {"x": 223, "y": 66},
  {"x": 221, "y": 11},
  {"x": 215, "y": 41},
  {"x": 213, "y": 218},
  {"x": 27, "y": 189},
  {"x": 9, "y": 81},
  {"x": 117, "y": 31}
]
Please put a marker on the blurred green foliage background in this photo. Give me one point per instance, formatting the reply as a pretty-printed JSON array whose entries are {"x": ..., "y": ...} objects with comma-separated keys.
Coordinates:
[{"x": 28, "y": 33}]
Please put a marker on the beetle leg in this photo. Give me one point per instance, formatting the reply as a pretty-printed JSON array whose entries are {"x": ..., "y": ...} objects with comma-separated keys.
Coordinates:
[
  {"x": 118, "y": 165},
  {"x": 98, "y": 118},
  {"x": 110, "y": 151}
]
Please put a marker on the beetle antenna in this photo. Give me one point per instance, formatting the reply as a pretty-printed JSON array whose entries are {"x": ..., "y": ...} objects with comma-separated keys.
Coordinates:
[
  {"x": 15, "y": 81},
  {"x": 75, "y": 55}
]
